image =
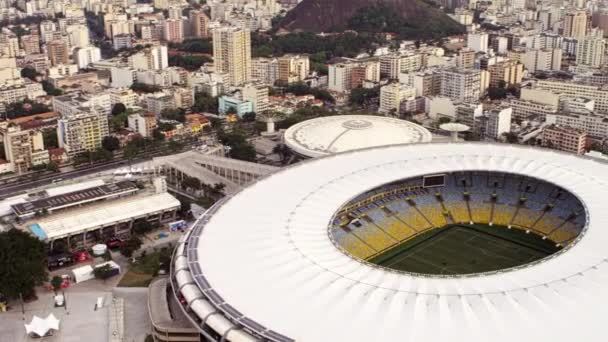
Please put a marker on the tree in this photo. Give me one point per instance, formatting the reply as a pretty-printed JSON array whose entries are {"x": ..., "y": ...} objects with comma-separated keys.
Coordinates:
[
  {"x": 119, "y": 121},
  {"x": 199, "y": 45},
  {"x": 249, "y": 117},
  {"x": 30, "y": 73},
  {"x": 142, "y": 226},
  {"x": 82, "y": 157},
  {"x": 497, "y": 93},
  {"x": 50, "y": 89},
  {"x": 110, "y": 143},
  {"x": 144, "y": 88},
  {"x": 204, "y": 102},
  {"x": 442, "y": 120},
  {"x": 102, "y": 154},
  {"x": 190, "y": 63},
  {"x": 175, "y": 114},
  {"x": 49, "y": 138},
  {"x": 103, "y": 272},
  {"x": 511, "y": 137},
  {"x": 52, "y": 166},
  {"x": 23, "y": 264},
  {"x": 158, "y": 135},
  {"x": 25, "y": 108},
  {"x": 240, "y": 148},
  {"x": 361, "y": 96},
  {"x": 130, "y": 151},
  {"x": 185, "y": 206},
  {"x": 174, "y": 145},
  {"x": 56, "y": 282},
  {"x": 130, "y": 246},
  {"x": 191, "y": 182},
  {"x": 118, "y": 108}
]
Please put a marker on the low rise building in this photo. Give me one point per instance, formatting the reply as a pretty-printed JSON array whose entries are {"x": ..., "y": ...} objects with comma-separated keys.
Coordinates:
[{"x": 564, "y": 138}]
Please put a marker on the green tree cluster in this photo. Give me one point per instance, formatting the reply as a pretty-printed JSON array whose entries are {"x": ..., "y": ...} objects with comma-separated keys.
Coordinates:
[
  {"x": 205, "y": 103},
  {"x": 22, "y": 264},
  {"x": 175, "y": 114},
  {"x": 144, "y": 88},
  {"x": 25, "y": 108},
  {"x": 321, "y": 49},
  {"x": 50, "y": 89},
  {"x": 240, "y": 148},
  {"x": 198, "y": 45},
  {"x": 362, "y": 96},
  {"x": 189, "y": 62},
  {"x": 130, "y": 246},
  {"x": 300, "y": 88},
  {"x": 381, "y": 18}
]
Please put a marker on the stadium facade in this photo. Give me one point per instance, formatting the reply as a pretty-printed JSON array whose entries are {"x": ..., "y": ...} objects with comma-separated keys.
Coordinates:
[{"x": 263, "y": 265}]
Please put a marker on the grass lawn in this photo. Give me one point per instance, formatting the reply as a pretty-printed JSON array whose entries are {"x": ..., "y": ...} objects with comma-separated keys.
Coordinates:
[
  {"x": 463, "y": 249},
  {"x": 145, "y": 268}
]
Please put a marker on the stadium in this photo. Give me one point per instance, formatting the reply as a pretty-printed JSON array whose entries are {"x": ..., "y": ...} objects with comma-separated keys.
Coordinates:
[{"x": 425, "y": 242}]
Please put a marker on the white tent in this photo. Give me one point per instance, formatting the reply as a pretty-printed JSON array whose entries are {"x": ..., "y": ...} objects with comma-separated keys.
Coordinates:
[
  {"x": 83, "y": 273},
  {"x": 42, "y": 326}
]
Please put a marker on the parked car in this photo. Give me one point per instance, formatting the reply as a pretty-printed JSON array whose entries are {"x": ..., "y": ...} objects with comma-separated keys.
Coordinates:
[
  {"x": 59, "y": 260},
  {"x": 114, "y": 243}
]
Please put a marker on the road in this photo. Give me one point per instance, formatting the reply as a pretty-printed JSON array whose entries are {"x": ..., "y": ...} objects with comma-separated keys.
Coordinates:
[
  {"x": 8, "y": 190},
  {"x": 14, "y": 188}
]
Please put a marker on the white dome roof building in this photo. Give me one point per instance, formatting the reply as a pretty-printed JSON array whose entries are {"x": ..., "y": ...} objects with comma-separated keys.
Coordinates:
[
  {"x": 261, "y": 265},
  {"x": 334, "y": 134}
]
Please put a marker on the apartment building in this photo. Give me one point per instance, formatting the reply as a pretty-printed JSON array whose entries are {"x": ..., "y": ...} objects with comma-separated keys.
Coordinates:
[
  {"x": 595, "y": 125},
  {"x": 597, "y": 93},
  {"x": 200, "y": 24},
  {"x": 232, "y": 53},
  {"x": 82, "y": 131},
  {"x": 392, "y": 95},
  {"x": 542, "y": 59},
  {"x": 590, "y": 51},
  {"x": 142, "y": 123},
  {"x": 257, "y": 94},
  {"x": 125, "y": 96},
  {"x": 293, "y": 68},
  {"x": 58, "y": 52},
  {"x": 576, "y": 24},
  {"x": 23, "y": 148},
  {"x": 461, "y": 85},
  {"x": 565, "y": 138},
  {"x": 265, "y": 70},
  {"x": 507, "y": 72},
  {"x": 498, "y": 122}
]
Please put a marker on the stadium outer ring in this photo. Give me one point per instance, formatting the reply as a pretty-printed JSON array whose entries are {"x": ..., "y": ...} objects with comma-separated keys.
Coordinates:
[{"x": 269, "y": 264}]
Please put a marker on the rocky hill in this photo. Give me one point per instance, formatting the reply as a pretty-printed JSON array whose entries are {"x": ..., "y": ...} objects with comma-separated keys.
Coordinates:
[{"x": 408, "y": 18}]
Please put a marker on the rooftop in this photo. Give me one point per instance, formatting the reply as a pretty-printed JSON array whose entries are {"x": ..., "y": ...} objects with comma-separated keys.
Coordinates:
[
  {"x": 286, "y": 244},
  {"x": 334, "y": 134},
  {"x": 73, "y": 198},
  {"x": 99, "y": 215}
]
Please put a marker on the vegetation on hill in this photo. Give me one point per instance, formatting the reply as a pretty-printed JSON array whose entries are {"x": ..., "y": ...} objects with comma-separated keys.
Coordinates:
[
  {"x": 320, "y": 49},
  {"x": 381, "y": 18},
  {"x": 409, "y": 19}
]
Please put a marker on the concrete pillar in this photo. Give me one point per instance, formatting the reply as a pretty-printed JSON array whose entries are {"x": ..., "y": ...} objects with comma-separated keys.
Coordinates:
[{"x": 270, "y": 126}]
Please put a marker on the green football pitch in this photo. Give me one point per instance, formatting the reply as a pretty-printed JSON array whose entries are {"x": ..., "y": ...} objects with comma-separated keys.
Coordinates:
[{"x": 466, "y": 249}]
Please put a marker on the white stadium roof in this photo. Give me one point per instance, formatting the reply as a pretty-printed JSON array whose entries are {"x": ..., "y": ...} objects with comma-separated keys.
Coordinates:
[
  {"x": 334, "y": 134},
  {"x": 265, "y": 254}
]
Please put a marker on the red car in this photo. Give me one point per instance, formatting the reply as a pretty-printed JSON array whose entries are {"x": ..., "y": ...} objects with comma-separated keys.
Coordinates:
[{"x": 114, "y": 243}]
